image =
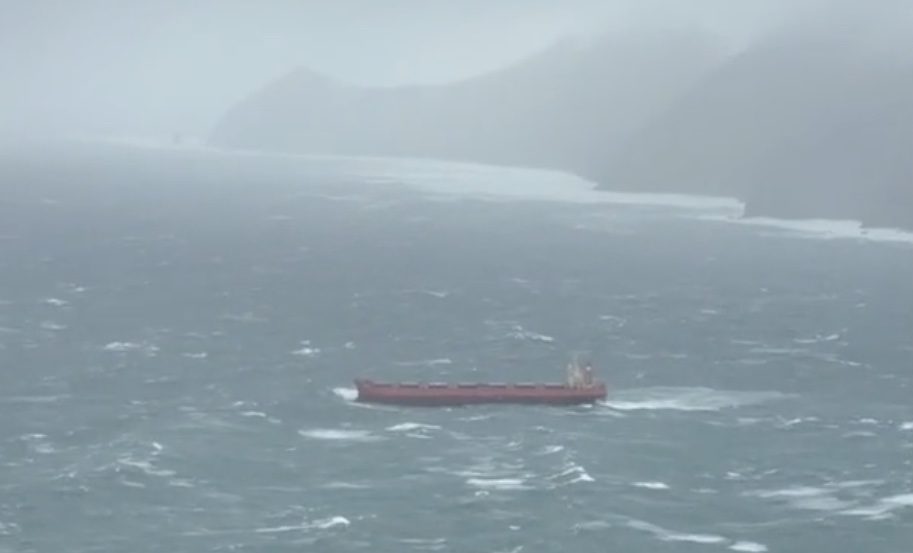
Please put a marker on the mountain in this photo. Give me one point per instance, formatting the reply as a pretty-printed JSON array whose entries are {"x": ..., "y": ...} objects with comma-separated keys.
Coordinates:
[
  {"x": 814, "y": 122},
  {"x": 565, "y": 108},
  {"x": 800, "y": 127}
]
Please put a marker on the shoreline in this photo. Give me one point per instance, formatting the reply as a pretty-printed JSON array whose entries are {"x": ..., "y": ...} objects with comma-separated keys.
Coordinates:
[{"x": 533, "y": 184}]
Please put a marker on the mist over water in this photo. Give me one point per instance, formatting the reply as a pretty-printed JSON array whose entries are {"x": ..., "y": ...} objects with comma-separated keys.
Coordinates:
[
  {"x": 178, "y": 366},
  {"x": 129, "y": 69},
  {"x": 214, "y": 216}
]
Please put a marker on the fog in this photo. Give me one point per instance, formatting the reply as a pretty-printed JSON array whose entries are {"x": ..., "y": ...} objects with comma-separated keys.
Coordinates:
[
  {"x": 155, "y": 68},
  {"x": 289, "y": 275},
  {"x": 801, "y": 109}
]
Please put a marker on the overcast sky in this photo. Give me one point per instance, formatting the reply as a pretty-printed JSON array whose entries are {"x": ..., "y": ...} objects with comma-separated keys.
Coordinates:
[{"x": 154, "y": 67}]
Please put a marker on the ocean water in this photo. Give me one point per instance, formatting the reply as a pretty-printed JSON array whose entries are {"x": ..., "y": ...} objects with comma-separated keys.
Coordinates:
[{"x": 179, "y": 332}]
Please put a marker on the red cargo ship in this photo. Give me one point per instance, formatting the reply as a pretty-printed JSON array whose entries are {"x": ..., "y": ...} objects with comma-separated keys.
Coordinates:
[{"x": 580, "y": 388}]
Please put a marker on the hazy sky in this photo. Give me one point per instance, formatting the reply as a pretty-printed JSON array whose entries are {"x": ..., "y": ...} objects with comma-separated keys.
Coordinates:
[{"x": 153, "y": 67}]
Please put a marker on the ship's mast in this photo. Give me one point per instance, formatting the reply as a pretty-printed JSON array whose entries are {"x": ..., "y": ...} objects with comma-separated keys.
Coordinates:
[{"x": 574, "y": 374}]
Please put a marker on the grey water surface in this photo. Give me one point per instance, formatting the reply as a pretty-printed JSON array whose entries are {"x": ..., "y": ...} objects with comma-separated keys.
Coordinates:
[{"x": 178, "y": 339}]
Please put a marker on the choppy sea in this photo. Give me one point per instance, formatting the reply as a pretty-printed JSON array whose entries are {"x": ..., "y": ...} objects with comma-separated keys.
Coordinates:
[{"x": 179, "y": 332}]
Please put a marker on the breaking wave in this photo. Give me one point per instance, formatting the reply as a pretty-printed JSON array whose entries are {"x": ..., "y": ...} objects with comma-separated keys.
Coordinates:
[
  {"x": 822, "y": 229},
  {"x": 426, "y": 362},
  {"x": 850, "y": 498},
  {"x": 124, "y": 347},
  {"x": 322, "y": 524},
  {"x": 500, "y": 484},
  {"x": 748, "y": 547},
  {"x": 651, "y": 485},
  {"x": 573, "y": 474},
  {"x": 348, "y": 394},
  {"x": 883, "y": 508},
  {"x": 339, "y": 435},
  {"x": 687, "y": 399},
  {"x": 412, "y": 427},
  {"x": 668, "y": 535}
]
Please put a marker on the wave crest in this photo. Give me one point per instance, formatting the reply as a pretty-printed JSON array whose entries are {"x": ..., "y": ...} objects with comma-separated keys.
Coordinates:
[{"x": 688, "y": 399}]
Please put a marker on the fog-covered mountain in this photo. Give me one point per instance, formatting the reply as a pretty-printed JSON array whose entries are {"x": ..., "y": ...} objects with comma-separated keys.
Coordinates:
[
  {"x": 565, "y": 108},
  {"x": 798, "y": 127},
  {"x": 815, "y": 122}
]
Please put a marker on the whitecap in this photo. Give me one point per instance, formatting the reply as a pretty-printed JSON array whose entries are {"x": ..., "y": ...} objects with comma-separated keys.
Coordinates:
[
  {"x": 615, "y": 320},
  {"x": 694, "y": 538},
  {"x": 687, "y": 399},
  {"x": 348, "y": 394},
  {"x": 145, "y": 466},
  {"x": 331, "y": 522},
  {"x": 815, "y": 498},
  {"x": 426, "y": 362},
  {"x": 72, "y": 287},
  {"x": 131, "y": 483},
  {"x": 429, "y": 544},
  {"x": 789, "y": 493},
  {"x": 33, "y": 399},
  {"x": 583, "y": 477},
  {"x": 821, "y": 229},
  {"x": 651, "y": 485},
  {"x": 906, "y": 426},
  {"x": 282, "y": 529},
  {"x": 592, "y": 525},
  {"x": 451, "y": 180},
  {"x": 476, "y": 418},
  {"x": 120, "y": 346},
  {"x": 519, "y": 333},
  {"x": 859, "y": 434},
  {"x": 668, "y": 535},
  {"x": 797, "y": 421},
  {"x": 489, "y": 469},
  {"x": 196, "y": 355},
  {"x": 883, "y": 508},
  {"x": 124, "y": 347},
  {"x": 436, "y": 293},
  {"x": 748, "y": 547},
  {"x": 503, "y": 484},
  {"x": 344, "y": 486},
  {"x": 412, "y": 426},
  {"x": 574, "y": 470},
  {"x": 818, "y": 339},
  {"x": 306, "y": 349},
  {"x": 8, "y": 529},
  {"x": 770, "y": 350},
  {"x": 339, "y": 435}
]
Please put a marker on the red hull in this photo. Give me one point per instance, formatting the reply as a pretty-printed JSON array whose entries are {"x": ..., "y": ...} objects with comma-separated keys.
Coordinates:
[{"x": 422, "y": 394}]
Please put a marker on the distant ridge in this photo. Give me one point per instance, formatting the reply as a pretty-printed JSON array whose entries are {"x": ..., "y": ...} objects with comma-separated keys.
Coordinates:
[
  {"x": 809, "y": 123},
  {"x": 565, "y": 108}
]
